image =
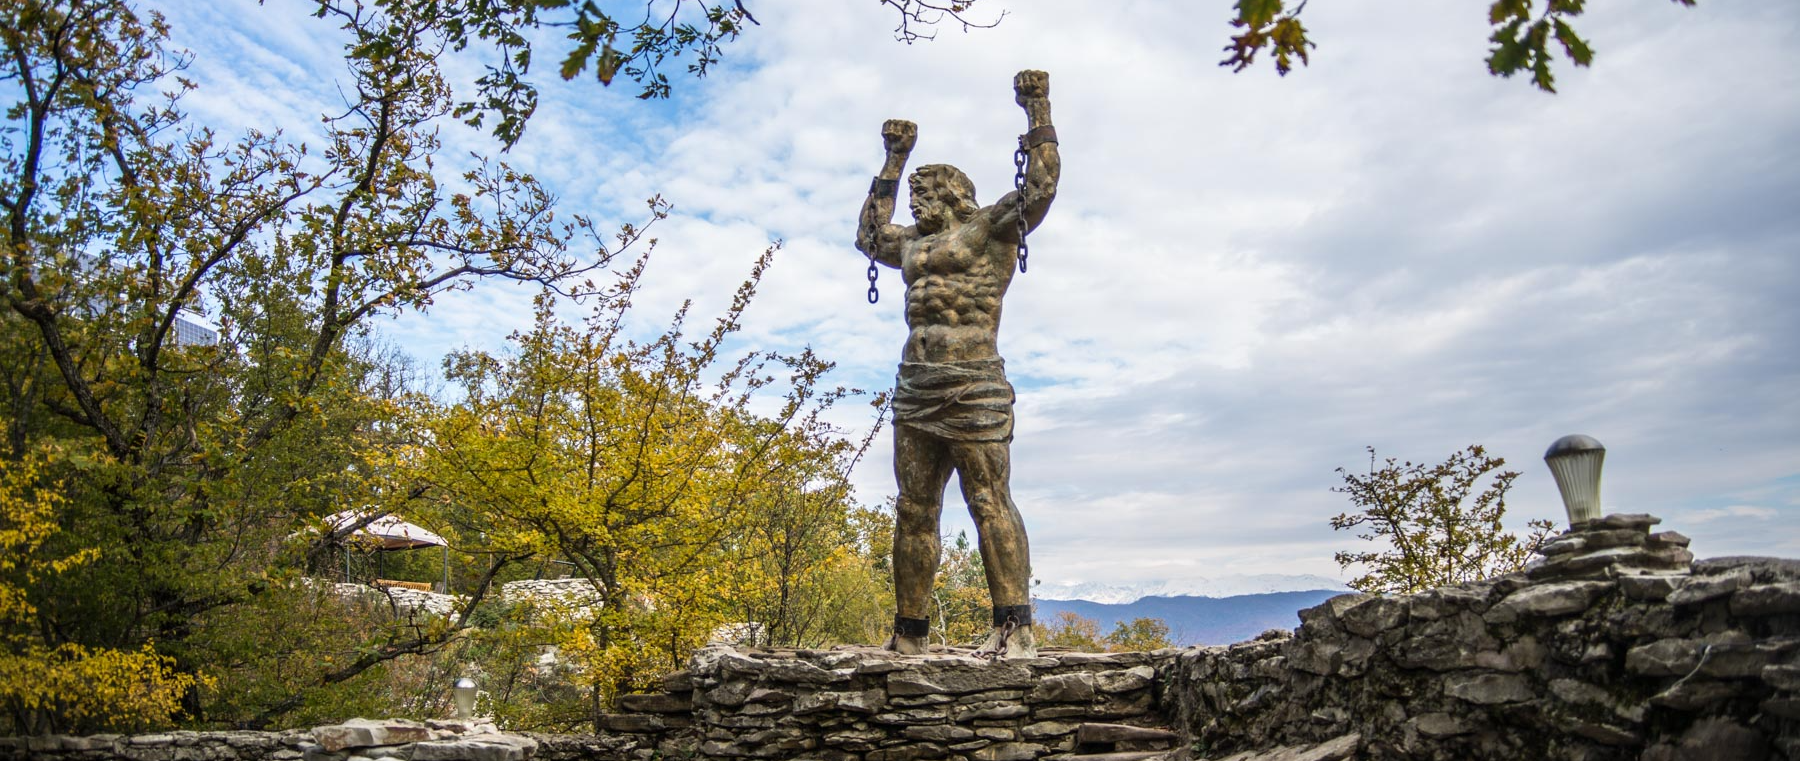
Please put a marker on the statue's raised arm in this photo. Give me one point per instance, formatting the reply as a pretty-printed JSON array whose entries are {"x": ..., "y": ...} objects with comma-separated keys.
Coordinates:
[
  {"x": 1043, "y": 165},
  {"x": 876, "y": 235}
]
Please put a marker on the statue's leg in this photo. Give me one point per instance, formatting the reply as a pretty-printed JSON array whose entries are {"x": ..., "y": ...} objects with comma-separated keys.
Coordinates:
[
  {"x": 922, "y": 469},
  {"x": 985, "y": 470}
]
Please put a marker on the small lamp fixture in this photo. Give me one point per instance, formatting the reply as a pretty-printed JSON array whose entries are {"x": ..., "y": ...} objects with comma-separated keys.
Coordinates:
[
  {"x": 464, "y": 693},
  {"x": 1575, "y": 462}
]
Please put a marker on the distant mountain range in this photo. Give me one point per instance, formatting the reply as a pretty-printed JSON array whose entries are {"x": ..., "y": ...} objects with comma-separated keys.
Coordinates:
[
  {"x": 1198, "y": 620},
  {"x": 1198, "y": 611},
  {"x": 1222, "y": 586}
]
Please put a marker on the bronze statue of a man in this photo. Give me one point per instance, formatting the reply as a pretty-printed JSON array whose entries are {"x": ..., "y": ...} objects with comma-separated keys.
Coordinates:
[{"x": 952, "y": 402}]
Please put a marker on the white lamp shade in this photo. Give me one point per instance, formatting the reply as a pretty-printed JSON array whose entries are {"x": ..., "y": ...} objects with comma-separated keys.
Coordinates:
[
  {"x": 464, "y": 694},
  {"x": 1575, "y": 461}
]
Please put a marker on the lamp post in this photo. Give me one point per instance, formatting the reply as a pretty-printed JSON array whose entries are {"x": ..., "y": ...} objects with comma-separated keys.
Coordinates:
[
  {"x": 1575, "y": 461},
  {"x": 464, "y": 694}
]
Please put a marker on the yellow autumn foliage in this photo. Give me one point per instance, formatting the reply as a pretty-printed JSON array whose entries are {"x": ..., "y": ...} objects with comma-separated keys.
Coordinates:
[{"x": 65, "y": 687}]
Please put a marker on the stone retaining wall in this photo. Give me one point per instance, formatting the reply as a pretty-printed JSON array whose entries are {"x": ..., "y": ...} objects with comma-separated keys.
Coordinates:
[
  {"x": 1613, "y": 646},
  {"x": 1609, "y": 649},
  {"x": 864, "y": 703}
]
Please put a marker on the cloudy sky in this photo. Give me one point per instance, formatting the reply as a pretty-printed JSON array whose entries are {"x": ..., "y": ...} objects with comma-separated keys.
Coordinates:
[{"x": 1245, "y": 280}]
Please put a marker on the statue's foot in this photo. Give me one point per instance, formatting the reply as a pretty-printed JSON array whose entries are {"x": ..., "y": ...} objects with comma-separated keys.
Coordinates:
[
  {"x": 905, "y": 645},
  {"x": 1011, "y": 642}
]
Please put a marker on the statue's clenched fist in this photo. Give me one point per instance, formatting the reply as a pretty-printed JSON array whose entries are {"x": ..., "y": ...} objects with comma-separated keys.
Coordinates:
[
  {"x": 899, "y": 135},
  {"x": 1030, "y": 85}
]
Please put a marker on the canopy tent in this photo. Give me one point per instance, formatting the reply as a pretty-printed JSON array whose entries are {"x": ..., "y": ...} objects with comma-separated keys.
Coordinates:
[{"x": 387, "y": 533}]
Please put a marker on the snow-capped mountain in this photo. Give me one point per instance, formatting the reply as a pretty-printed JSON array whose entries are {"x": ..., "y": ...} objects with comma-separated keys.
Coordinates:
[{"x": 1220, "y": 586}]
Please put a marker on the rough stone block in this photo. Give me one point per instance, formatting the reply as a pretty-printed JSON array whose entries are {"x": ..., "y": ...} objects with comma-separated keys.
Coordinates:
[
  {"x": 945, "y": 733},
  {"x": 1373, "y": 614},
  {"x": 1601, "y": 732},
  {"x": 477, "y": 748},
  {"x": 1600, "y": 539},
  {"x": 362, "y": 733},
  {"x": 1654, "y": 587},
  {"x": 730, "y": 694},
  {"x": 1786, "y": 708},
  {"x": 1009, "y": 752},
  {"x": 1488, "y": 689},
  {"x": 1766, "y": 599},
  {"x": 1124, "y": 680},
  {"x": 632, "y": 722},
  {"x": 1718, "y": 739},
  {"x": 997, "y": 709},
  {"x": 1444, "y": 644},
  {"x": 800, "y": 672},
  {"x": 1695, "y": 694},
  {"x": 911, "y": 752},
  {"x": 1338, "y": 749},
  {"x": 1439, "y": 725},
  {"x": 1547, "y": 600},
  {"x": 956, "y": 681},
  {"x": 1609, "y": 562},
  {"x": 1699, "y": 589},
  {"x": 1044, "y": 729},
  {"x": 1087, "y": 659},
  {"x": 769, "y": 695},
  {"x": 1098, "y": 733},
  {"x": 1064, "y": 688},
  {"x": 654, "y": 703},
  {"x": 865, "y": 701},
  {"x": 1638, "y": 521}
]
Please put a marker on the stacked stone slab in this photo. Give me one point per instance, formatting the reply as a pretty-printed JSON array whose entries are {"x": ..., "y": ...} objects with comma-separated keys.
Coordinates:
[
  {"x": 1610, "y": 547},
  {"x": 864, "y": 703},
  {"x": 1613, "y": 647}
]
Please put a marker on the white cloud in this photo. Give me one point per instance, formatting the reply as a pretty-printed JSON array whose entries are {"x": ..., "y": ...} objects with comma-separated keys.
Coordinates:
[{"x": 1734, "y": 511}]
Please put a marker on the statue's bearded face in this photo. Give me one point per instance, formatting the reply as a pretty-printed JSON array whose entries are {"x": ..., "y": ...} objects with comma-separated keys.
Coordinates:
[{"x": 936, "y": 200}]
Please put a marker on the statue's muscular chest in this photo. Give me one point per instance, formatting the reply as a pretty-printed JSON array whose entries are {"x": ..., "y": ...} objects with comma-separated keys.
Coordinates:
[{"x": 949, "y": 253}]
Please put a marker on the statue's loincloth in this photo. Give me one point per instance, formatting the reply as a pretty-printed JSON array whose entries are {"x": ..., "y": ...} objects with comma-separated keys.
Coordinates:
[{"x": 956, "y": 401}]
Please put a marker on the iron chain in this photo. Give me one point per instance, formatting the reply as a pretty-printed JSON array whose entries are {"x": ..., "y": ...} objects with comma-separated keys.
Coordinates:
[
  {"x": 874, "y": 295},
  {"x": 1020, "y": 158},
  {"x": 1000, "y": 647}
]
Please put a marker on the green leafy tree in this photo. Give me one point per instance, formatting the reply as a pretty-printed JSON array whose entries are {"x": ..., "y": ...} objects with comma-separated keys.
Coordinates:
[
  {"x": 642, "y": 44},
  {"x": 1072, "y": 631},
  {"x": 1438, "y": 529},
  {"x": 1139, "y": 635},
  {"x": 188, "y": 466},
  {"x": 1522, "y": 37}
]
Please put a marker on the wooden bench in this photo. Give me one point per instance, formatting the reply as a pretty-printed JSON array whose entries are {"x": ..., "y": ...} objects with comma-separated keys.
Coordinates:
[{"x": 422, "y": 586}]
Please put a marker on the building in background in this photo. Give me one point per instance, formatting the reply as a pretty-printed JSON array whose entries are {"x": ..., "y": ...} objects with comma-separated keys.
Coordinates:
[{"x": 193, "y": 330}]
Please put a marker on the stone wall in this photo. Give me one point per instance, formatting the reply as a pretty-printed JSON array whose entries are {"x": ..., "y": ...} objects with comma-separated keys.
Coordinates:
[
  {"x": 1610, "y": 648},
  {"x": 863, "y": 703},
  {"x": 1613, "y": 646}
]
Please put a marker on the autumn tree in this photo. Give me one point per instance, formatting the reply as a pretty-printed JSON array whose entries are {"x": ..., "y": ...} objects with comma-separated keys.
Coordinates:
[
  {"x": 1139, "y": 635},
  {"x": 1438, "y": 529},
  {"x": 187, "y": 466},
  {"x": 64, "y": 687},
  {"x": 666, "y": 471},
  {"x": 1072, "y": 631},
  {"x": 1081, "y": 634}
]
